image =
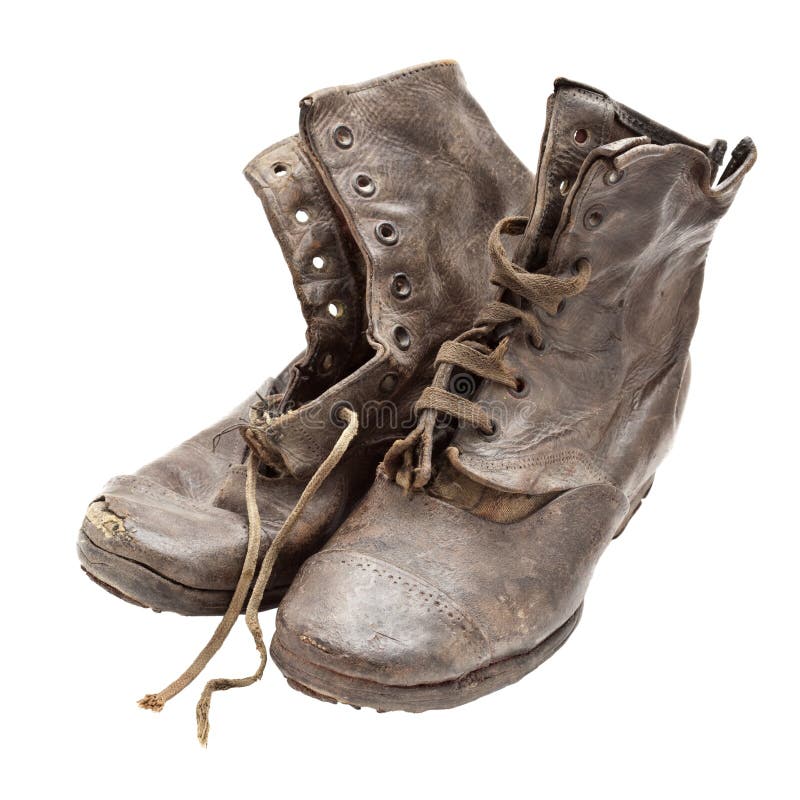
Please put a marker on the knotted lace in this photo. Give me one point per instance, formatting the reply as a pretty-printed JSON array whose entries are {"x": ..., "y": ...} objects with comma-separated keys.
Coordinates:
[
  {"x": 410, "y": 459},
  {"x": 156, "y": 702}
]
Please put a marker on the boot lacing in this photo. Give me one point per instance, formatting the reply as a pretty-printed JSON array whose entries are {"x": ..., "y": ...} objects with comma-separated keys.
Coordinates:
[
  {"x": 156, "y": 702},
  {"x": 411, "y": 458}
]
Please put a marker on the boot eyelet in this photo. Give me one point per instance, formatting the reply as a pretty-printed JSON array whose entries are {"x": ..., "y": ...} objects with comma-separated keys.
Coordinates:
[
  {"x": 581, "y": 136},
  {"x": 575, "y": 267},
  {"x": 343, "y": 137},
  {"x": 389, "y": 382},
  {"x": 522, "y": 389},
  {"x": 492, "y": 433},
  {"x": 613, "y": 177},
  {"x": 326, "y": 363},
  {"x": 402, "y": 337},
  {"x": 302, "y": 216},
  {"x": 336, "y": 416},
  {"x": 336, "y": 309},
  {"x": 563, "y": 187},
  {"x": 280, "y": 170},
  {"x": 386, "y": 233},
  {"x": 318, "y": 262},
  {"x": 364, "y": 185},
  {"x": 594, "y": 217},
  {"x": 532, "y": 344},
  {"x": 401, "y": 286}
]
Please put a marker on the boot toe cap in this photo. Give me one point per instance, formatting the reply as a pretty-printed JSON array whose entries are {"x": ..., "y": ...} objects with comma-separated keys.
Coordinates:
[
  {"x": 162, "y": 550},
  {"x": 365, "y": 618}
]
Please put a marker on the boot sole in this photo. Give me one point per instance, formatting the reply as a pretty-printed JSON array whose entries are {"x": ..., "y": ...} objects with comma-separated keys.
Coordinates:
[
  {"x": 325, "y": 684},
  {"x": 333, "y": 687},
  {"x": 144, "y": 587}
]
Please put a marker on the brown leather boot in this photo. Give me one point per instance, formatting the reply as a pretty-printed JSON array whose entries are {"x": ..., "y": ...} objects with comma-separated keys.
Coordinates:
[
  {"x": 432, "y": 597},
  {"x": 382, "y": 205}
]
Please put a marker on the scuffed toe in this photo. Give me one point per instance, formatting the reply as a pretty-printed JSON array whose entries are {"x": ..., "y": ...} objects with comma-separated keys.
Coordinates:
[
  {"x": 366, "y": 618},
  {"x": 162, "y": 550}
]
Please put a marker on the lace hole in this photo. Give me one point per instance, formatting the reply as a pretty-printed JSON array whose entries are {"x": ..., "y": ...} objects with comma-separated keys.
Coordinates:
[
  {"x": 581, "y": 136},
  {"x": 495, "y": 429},
  {"x": 386, "y": 233},
  {"x": 364, "y": 185},
  {"x": 318, "y": 262},
  {"x": 531, "y": 343},
  {"x": 280, "y": 170},
  {"x": 343, "y": 137},
  {"x": 521, "y": 389},
  {"x": 389, "y": 382},
  {"x": 401, "y": 286},
  {"x": 561, "y": 306},
  {"x": 563, "y": 187},
  {"x": 336, "y": 309},
  {"x": 402, "y": 337},
  {"x": 302, "y": 216},
  {"x": 613, "y": 177},
  {"x": 337, "y": 416},
  {"x": 594, "y": 218},
  {"x": 326, "y": 363}
]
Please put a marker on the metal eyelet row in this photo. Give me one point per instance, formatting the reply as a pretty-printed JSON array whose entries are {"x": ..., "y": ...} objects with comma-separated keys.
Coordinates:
[
  {"x": 387, "y": 234},
  {"x": 335, "y": 308}
]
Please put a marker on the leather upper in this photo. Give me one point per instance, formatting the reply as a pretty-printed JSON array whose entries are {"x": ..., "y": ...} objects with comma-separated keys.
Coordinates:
[
  {"x": 414, "y": 151},
  {"x": 575, "y": 442},
  {"x": 603, "y": 398},
  {"x": 416, "y": 177}
]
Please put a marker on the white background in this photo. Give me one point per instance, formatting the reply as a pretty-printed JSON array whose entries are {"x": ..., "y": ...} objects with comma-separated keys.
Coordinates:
[{"x": 143, "y": 296}]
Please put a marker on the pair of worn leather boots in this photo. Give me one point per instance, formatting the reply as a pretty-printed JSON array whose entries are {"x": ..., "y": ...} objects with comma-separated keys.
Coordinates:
[{"x": 427, "y": 488}]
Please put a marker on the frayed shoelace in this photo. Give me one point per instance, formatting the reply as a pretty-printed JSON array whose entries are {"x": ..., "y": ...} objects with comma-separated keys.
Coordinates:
[
  {"x": 471, "y": 353},
  {"x": 156, "y": 702}
]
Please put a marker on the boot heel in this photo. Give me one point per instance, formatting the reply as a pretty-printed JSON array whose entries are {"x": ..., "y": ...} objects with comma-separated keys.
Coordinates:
[{"x": 636, "y": 503}]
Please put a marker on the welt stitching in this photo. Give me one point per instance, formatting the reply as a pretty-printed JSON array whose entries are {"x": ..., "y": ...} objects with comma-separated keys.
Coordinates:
[{"x": 402, "y": 75}]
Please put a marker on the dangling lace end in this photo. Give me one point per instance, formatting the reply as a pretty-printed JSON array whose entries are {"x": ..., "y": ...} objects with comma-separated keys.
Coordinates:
[
  {"x": 202, "y": 725},
  {"x": 202, "y": 735},
  {"x": 201, "y": 712},
  {"x": 156, "y": 702},
  {"x": 203, "y": 708},
  {"x": 267, "y": 566},
  {"x": 152, "y": 702}
]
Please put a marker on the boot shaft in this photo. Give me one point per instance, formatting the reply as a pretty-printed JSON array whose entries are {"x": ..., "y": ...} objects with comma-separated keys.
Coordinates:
[
  {"x": 602, "y": 399},
  {"x": 401, "y": 179}
]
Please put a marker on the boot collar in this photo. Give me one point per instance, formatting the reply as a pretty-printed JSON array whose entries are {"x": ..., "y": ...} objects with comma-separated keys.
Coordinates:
[{"x": 580, "y": 119}]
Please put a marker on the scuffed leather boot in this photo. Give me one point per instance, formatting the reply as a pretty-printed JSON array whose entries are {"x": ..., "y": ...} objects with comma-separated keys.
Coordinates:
[
  {"x": 382, "y": 206},
  {"x": 432, "y": 597}
]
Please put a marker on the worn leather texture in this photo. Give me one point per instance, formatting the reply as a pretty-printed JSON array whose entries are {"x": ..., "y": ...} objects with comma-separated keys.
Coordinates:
[
  {"x": 437, "y": 176},
  {"x": 412, "y": 151},
  {"x": 414, "y": 590}
]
